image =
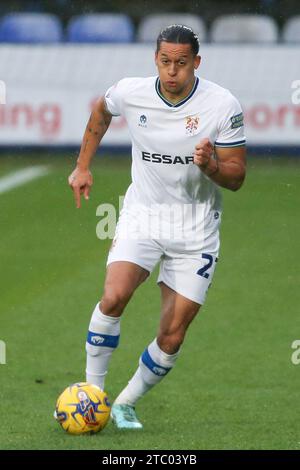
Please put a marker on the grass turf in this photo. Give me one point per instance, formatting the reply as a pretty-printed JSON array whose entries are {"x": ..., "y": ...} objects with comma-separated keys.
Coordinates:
[{"x": 234, "y": 385}]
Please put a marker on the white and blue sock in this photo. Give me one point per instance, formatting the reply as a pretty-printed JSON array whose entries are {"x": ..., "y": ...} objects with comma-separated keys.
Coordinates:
[
  {"x": 154, "y": 365},
  {"x": 102, "y": 340}
]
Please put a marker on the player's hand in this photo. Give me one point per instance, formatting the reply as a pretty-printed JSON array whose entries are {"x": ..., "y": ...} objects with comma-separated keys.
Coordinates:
[
  {"x": 203, "y": 155},
  {"x": 80, "y": 182}
]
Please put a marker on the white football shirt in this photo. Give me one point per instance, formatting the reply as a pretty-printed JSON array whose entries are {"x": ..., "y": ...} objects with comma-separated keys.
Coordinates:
[{"x": 164, "y": 136}]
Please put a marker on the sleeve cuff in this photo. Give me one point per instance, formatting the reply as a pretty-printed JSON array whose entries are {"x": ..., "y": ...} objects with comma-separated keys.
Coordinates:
[{"x": 237, "y": 143}]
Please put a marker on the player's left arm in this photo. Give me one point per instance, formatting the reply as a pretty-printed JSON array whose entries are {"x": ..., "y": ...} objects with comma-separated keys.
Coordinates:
[
  {"x": 224, "y": 161},
  {"x": 227, "y": 167},
  {"x": 231, "y": 163}
]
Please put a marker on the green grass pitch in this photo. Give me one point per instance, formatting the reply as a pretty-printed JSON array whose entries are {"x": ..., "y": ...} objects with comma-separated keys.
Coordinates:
[{"x": 234, "y": 385}]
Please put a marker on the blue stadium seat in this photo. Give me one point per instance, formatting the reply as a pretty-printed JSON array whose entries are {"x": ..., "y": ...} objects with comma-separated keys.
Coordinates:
[
  {"x": 30, "y": 28},
  {"x": 100, "y": 27}
]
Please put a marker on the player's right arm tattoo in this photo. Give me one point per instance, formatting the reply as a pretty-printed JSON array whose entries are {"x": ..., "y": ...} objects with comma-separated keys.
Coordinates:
[
  {"x": 97, "y": 125},
  {"x": 99, "y": 121}
]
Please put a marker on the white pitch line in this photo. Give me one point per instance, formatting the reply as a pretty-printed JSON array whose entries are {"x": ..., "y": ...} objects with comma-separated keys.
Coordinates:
[{"x": 13, "y": 180}]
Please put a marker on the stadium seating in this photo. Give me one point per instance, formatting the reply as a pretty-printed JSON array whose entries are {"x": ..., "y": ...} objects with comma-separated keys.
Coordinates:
[
  {"x": 291, "y": 30},
  {"x": 151, "y": 25},
  {"x": 244, "y": 28},
  {"x": 100, "y": 27},
  {"x": 30, "y": 28}
]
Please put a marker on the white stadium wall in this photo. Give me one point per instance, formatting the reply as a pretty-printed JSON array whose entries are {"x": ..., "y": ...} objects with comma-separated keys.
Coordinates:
[{"x": 50, "y": 89}]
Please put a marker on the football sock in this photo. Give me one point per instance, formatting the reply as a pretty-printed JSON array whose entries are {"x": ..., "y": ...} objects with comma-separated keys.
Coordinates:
[
  {"x": 102, "y": 340},
  {"x": 154, "y": 364}
]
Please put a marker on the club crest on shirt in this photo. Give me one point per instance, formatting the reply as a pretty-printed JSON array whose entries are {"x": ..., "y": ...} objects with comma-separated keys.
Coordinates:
[{"x": 191, "y": 125}]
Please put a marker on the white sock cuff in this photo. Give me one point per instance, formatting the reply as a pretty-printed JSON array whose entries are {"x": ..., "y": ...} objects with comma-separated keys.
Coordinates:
[
  {"x": 106, "y": 318},
  {"x": 104, "y": 324},
  {"x": 160, "y": 357}
]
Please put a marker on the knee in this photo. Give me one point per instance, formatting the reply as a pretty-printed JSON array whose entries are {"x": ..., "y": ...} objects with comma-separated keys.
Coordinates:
[
  {"x": 170, "y": 342},
  {"x": 113, "y": 303}
]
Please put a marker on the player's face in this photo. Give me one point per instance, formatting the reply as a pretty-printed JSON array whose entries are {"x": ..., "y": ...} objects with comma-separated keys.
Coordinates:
[{"x": 176, "y": 64}]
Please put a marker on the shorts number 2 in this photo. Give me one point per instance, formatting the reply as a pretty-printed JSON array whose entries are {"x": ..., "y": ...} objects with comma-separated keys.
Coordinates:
[{"x": 202, "y": 271}]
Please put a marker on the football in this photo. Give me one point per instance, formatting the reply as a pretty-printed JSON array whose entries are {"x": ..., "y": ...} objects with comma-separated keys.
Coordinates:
[{"x": 82, "y": 408}]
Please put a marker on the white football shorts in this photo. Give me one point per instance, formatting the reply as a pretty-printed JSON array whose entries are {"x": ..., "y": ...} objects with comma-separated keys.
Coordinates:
[{"x": 186, "y": 265}]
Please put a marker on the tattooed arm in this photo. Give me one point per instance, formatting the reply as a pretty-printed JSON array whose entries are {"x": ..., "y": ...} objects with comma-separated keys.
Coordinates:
[{"x": 81, "y": 178}]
